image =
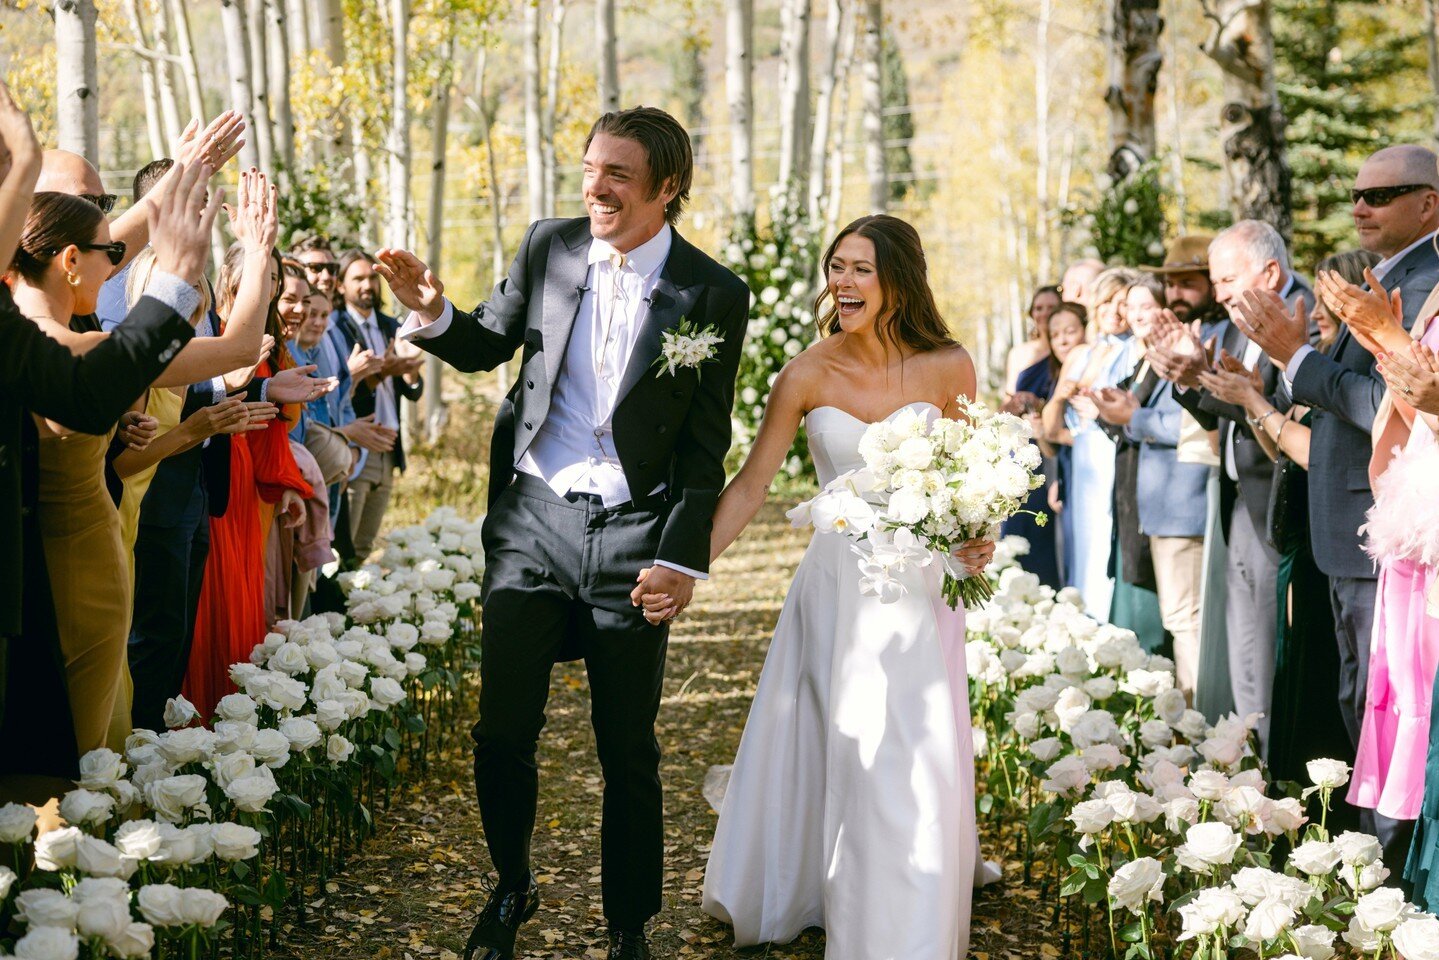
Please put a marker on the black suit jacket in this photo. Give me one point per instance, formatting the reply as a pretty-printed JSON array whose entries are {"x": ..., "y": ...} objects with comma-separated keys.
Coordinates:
[
  {"x": 364, "y": 396},
  {"x": 671, "y": 429},
  {"x": 1344, "y": 391},
  {"x": 86, "y": 393}
]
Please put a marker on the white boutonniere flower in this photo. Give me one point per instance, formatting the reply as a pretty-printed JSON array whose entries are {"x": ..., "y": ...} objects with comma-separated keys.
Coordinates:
[{"x": 687, "y": 347}]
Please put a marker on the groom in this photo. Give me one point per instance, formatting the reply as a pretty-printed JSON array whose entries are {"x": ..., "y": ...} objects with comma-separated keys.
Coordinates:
[{"x": 605, "y": 462}]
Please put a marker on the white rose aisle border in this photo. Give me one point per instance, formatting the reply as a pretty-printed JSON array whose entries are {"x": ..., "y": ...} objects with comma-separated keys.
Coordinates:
[
  {"x": 1149, "y": 832},
  {"x": 200, "y": 840}
]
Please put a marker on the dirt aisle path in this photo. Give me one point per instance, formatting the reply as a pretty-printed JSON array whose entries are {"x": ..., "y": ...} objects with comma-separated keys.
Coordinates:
[{"x": 414, "y": 890}]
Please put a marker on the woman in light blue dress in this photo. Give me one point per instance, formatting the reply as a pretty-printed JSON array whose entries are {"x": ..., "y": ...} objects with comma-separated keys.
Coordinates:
[{"x": 1069, "y": 419}]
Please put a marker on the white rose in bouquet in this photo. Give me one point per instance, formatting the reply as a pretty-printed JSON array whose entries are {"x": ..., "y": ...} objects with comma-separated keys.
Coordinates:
[
  {"x": 1357, "y": 849},
  {"x": 234, "y": 841},
  {"x": 1091, "y": 816},
  {"x": 135, "y": 943},
  {"x": 1180, "y": 814},
  {"x": 1248, "y": 806},
  {"x": 48, "y": 943},
  {"x": 1130, "y": 807},
  {"x": 1209, "y": 785},
  {"x": 1155, "y": 733},
  {"x": 1101, "y": 688},
  {"x": 139, "y": 839},
  {"x": 1313, "y": 942},
  {"x": 229, "y": 767},
  {"x": 1103, "y": 757},
  {"x": 104, "y": 917},
  {"x": 1254, "y": 884},
  {"x": 160, "y": 905},
  {"x": 1147, "y": 683},
  {"x": 1025, "y": 725},
  {"x": 1192, "y": 724},
  {"x": 302, "y": 732},
  {"x": 1361, "y": 938},
  {"x": 1096, "y": 726},
  {"x": 179, "y": 712},
  {"x": 1072, "y": 662},
  {"x": 1212, "y": 909},
  {"x": 46, "y": 908},
  {"x": 186, "y": 745},
  {"x": 1066, "y": 777},
  {"x": 353, "y": 672},
  {"x": 1137, "y": 883},
  {"x": 331, "y": 714},
  {"x": 1222, "y": 751},
  {"x": 1367, "y": 877},
  {"x": 1046, "y": 749},
  {"x": 56, "y": 849},
  {"x": 289, "y": 659},
  {"x": 1170, "y": 706},
  {"x": 1285, "y": 815},
  {"x": 1328, "y": 774},
  {"x": 386, "y": 692},
  {"x": 1382, "y": 910},
  {"x": 403, "y": 636},
  {"x": 321, "y": 654},
  {"x": 242, "y": 673},
  {"x": 81, "y": 807},
  {"x": 99, "y": 769},
  {"x": 415, "y": 664},
  {"x": 1206, "y": 846},
  {"x": 17, "y": 823},
  {"x": 1072, "y": 704},
  {"x": 1418, "y": 938},
  {"x": 177, "y": 846},
  {"x": 327, "y": 684}
]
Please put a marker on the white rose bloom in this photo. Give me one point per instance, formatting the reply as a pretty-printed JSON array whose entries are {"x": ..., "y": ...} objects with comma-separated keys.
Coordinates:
[
  {"x": 386, "y": 692},
  {"x": 1026, "y": 725},
  {"x": 1315, "y": 858},
  {"x": 237, "y": 706},
  {"x": 330, "y": 714},
  {"x": 160, "y": 905},
  {"x": 1208, "y": 845},
  {"x": 47, "y": 943},
  {"x": 403, "y": 636},
  {"x": 232, "y": 735},
  {"x": 1328, "y": 774},
  {"x": 234, "y": 841},
  {"x": 1313, "y": 941},
  {"x": 1137, "y": 883},
  {"x": 1192, "y": 724},
  {"x": 1382, "y": 910},
  {"x": 1045, "y": 750},
  {"x": 302, "y": 732},
  {"x": 229, "y": 767},
  {"x": 1096, "y": 726},
  {"x": 179, "y": 712},
  {"x": 1209, "y": 785},
  {"x": 186, "y": 745},
  {"x": 104, "y": 917},
  {"x": 1072, "y": 704},
  {"x": 7, "y": 880},
  {"x": 338, "y": 749},
  {"x": 17, "y": 823},
  {"x": 1269, "y": 919},
  {"x": 1091, "y": 816},
  {"x": 1370, "y": 876},
  {"x": 1147, "y": 683},
  {"x": 252, "y": 793},
  {"x": 136, "y": 943},
  {"x": 1132, "y": 807},
  {"x": 1357, "y": 849},
  {"x": 1361, "y": 938},
  {"x": 80, "y": 807},
  {"x": 102, "y": 859},
  {"x": 56, "y": 850},
  {"x": 1254, "y": 884},
  {"x": 1170, "y": 706},
  {"x": 1067, "y": 777},
  {"x": 1155, "y": 734},
  {"x": 99, "y": 769},
  {"x": 1180, "y": 814},
  {"x": 139, "y": 839},
  {"x": 1418, "y": 938},
  {"x": 172, "y": 796},
  {"x": 1103, "y": 757},
  {"x": 201, "y": 907},
  {"x": 46, "y": 908},
  {"x": 415, "y": 664},
  {"x": 1210, "y": 910},
  {"x": 272, "y": 748},
  {"x": 1285, "y": 815},
  {"x": 1101, "y": 688},
  {"x": 1072, "y": 661}
]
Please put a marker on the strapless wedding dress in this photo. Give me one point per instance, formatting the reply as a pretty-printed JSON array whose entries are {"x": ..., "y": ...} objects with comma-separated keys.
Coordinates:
[{"x": 851, "y": 803}]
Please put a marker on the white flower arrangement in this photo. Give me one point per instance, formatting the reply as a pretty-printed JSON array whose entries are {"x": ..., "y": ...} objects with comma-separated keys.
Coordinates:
[{"x": 687, "y": 347}]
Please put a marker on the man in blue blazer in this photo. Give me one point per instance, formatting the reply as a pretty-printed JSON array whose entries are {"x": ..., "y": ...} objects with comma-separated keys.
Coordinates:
[{"x": 1396, "y": 213}]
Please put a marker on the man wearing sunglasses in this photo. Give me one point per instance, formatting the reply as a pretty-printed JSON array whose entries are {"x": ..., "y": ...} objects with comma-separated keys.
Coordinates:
[
  {"x": 322, "y": 268},
  {"x": 1396, "y": 215}
]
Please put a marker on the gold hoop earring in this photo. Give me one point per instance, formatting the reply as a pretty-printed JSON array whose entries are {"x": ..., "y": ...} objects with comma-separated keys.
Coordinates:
[{"x": 72, "y": 278}]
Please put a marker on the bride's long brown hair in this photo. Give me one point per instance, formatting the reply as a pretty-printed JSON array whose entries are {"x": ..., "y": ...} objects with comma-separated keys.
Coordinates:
[{"x": 908, "y": 316}]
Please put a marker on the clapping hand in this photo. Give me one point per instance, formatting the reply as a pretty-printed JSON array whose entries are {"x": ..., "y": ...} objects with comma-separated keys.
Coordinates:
[
  {"x": 974, "y": 555},
  {"x": 137, "y": 429},
  {"x": 1232, "y": 382},
  {"x": 1413, "y": 376},
  {"x": 1264, "y": 318},
  {"x": 255, "y": 222},
  {"x": 366, "y": 433},
  {"x": 1178, "y": 355},
  {"x": 1114, "y": 405},
  {"x": 227, "y": 416},
  {"x": 412, "y": 283},
  {"x": 1374, "y": 317},
  {"x": 295, "y": 385},
  {"x": 180, "y": 221},
  {"x": 364, "y": 364},
  {"x": 1083, "y": 404}
]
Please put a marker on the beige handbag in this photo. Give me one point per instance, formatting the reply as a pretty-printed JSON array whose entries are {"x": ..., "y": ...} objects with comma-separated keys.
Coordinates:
[{"x": 330, "y": 450}]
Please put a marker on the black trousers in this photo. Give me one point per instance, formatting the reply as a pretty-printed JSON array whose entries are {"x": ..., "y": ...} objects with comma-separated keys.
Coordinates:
[
  {"x": 558, "y": 574},
  {"x": 169, "y": 572}
]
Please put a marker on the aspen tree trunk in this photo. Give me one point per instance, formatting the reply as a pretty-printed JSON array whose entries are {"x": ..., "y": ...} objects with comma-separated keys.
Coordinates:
[
  {"x": 794, "y": 133},
  {"x": 165, "y": 76},
  {"x": 77, "y": 95},
  {"x": 876, "y": 165},
  {"x": 829, "y": 81},
  {"x": 397, "y": 145},
  {"x": 297, "y": 20},
  {"x": 1134, "y": 61},
  {"x": 257, "y": 36},
  {"x": 149, "y": 87},
  {"x": 739, "y": 92},
  {"x": 433, "y": 401},
  {"x": 1431, "y": 31},
  {"x": 837, "y": 156},
  {"x": 237, "y": 58},
  {"x": 1043, "y": 213},
  {"x": 609, "y": 65},
  {"x": 1251, "y": 120},
  {"x": 189, "y": 65},
  {"x": 552, "y": 96},
  {"x": 279, "y": 55},
  {"x": 534, "y": 123},
  {"x": 497, "y": 200}
]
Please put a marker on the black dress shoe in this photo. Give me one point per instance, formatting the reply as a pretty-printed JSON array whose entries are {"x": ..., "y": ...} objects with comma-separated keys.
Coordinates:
[
  {"x": 493, "y": 937},
  {"x": 629, "y": 945}
]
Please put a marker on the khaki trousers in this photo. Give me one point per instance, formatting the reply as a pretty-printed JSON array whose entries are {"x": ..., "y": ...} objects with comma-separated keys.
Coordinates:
[
  {"x": 1179, "y": 572},
  {"x": 369, "y": 496}
]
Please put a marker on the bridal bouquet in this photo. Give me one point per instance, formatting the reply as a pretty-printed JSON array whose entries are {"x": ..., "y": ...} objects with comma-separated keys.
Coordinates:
[{"x": 927, "y": 487}]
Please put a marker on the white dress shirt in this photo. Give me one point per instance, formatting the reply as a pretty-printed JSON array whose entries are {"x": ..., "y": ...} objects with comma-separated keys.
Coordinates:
[
  {"x": 387, "y": 410},
  {"x": 1252, "y": 353},
  {"x": 574, "y": 450}
]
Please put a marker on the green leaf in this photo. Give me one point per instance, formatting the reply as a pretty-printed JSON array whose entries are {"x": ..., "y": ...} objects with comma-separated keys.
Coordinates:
[
  {"x": 1132, "y": 932},
  {"x": 1095, "y": 891},
  {"x": 1073, "y": 884}
]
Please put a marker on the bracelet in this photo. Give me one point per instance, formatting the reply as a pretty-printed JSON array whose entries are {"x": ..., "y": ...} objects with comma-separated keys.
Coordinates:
[
  {"x": 1279, "y": 437},
  {"x": 1259, "y": 421}
]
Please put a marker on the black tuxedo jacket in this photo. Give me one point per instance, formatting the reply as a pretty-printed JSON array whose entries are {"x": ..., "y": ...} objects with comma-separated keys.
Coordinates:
[
  {"x": 364, "y": 397},
  {"x": 671, "y": 429},
  {"x": 1344, "y": 391}
]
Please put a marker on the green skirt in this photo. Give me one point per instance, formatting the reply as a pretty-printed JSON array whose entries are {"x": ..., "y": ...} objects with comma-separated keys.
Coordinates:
[
  {"x": 1422, "y": 870},
  {"x": 1137, "y": 608}
]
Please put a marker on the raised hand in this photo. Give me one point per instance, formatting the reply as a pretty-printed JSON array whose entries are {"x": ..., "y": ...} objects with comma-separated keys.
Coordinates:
[
  {"x": 1413, "y": 377},
  {"x": 256, "y": 220},
  {"x": 412, "y": 283},
  {"x": 18, "y": 146},
  {"x": 295, "y": 385},
  {"x": 363, "y": 364},
  {"x": 1264, "y": 318},
  {"x": 180, "y": 221},
  {"x": 1372, "y": 313},
  {"x": 216, "y": 145}
]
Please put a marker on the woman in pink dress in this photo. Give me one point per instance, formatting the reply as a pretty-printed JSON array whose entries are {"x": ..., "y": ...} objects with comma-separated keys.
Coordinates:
[{"x": 1402, "y": 535}]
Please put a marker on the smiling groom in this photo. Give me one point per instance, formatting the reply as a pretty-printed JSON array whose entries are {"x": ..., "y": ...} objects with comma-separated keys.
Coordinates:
[{"x": 607, "y": 459}]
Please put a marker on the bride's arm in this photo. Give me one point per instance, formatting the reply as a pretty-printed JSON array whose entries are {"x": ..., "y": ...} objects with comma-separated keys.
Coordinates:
[
  {"x": 960, "y": 380},
  {"x": 745, "y": 494}
]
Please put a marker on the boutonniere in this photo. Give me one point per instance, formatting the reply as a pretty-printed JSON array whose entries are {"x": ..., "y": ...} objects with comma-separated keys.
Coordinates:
[{"x": 687, "y": 346}]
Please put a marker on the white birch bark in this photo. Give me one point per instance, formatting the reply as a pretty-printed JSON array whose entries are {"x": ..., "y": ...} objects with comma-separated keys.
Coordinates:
[
  {"x": 256, "y": 35},
  {"x": 432, "y": 404},
  {"x": 165, "y": 75},
  {"x": 149, "y": 88},
  {"x": 834, "y": 203},
  {"x": 1431, "y": 32},
  {"x": 552, "y": 94},
  {"x": 189, "y": 65},
  {"x": 876, "y": 165},
  {"x": 1043, "y": 212},
  {"x": 279, "y": 57},
  {"x": 397, "y": 144},
  {"x": 77, "y": 94},
  {"x": 237, "y": 58},
  {"x": 794, "y": 109},
  {"x": 497, "y": 206},
  {"x": 297, "y": 20},
  {"x": 829, "y": 80},
  {"x": 534, "y": 150},
  {"x": 739, "y": 92},
  {"x": 608, "y": 52}
]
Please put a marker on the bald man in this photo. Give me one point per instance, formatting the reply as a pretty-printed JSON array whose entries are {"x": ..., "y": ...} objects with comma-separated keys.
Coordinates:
[
  {"x": 64, "y": 172},
  {"x": 1396, "y": 214}
]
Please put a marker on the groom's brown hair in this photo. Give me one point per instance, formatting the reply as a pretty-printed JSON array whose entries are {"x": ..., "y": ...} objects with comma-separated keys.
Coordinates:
[{"x": 667, "y": 145}]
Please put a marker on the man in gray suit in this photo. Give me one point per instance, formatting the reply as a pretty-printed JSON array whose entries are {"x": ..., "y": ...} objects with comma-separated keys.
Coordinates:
[
  {"x": 1396, "y": 213},
  {"x": 1249, "y": 256}
]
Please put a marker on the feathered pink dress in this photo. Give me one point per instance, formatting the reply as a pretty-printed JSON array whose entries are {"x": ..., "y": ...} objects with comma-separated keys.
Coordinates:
[{"x": 1403, "y": 538}]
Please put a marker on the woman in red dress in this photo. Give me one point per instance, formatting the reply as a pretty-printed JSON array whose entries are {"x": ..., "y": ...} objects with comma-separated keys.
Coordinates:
[{"x": 263, "y": 479}]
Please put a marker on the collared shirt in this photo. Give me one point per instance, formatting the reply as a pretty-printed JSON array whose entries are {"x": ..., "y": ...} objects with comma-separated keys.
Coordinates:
[
  {"x": 1383, "y": 267},
  {"x": 1250, "y": 357},
  {"x": 387, "y": 409}
]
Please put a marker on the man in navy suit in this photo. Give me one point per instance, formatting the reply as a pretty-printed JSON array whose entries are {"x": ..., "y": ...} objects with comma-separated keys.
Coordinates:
[
  {"x": 381, "y": 379},
  {"x": 1396, "y": 213}
]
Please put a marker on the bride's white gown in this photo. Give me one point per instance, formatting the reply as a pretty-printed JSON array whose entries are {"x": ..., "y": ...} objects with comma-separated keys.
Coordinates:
[{"x": 851, "y": 802}]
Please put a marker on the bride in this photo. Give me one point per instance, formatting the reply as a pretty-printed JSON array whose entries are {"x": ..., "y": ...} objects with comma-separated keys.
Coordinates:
[{"x": 851, "y": 802}]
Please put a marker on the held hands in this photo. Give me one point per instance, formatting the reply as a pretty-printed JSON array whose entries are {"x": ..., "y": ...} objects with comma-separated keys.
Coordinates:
[
  {"x": 180, "y": 220},
  {"x": 1413, "y": 377},
  {"x": 138, "y": 429},
  {"x": 368, "y": 434},
  {"x": 256, "y": 222},
  {"x": 974, "y": 555},
  {"x": 663, "y": 592},
  {"x": 295, "y": 385},
  {"x": 412, "y": 283}
]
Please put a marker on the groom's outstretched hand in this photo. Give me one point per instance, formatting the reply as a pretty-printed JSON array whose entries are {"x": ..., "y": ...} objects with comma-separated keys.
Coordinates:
[
  {"x": 663, "y": 592},
  {"x": 412, "y": 283}
]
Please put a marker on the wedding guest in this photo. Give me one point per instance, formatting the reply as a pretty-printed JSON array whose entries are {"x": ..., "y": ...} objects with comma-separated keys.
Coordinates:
[
  {"x": 114, "y": 302},
  {"x": 1034, "y": 348},
  {"x": 40, "y": 377},
  {"x": 321, "y": 267},
  {"x": 1077, "y": 286},
  {"x": 1069, "y": 419},
  {"x": 379, "y": 393},
  {"x": 1188, "y": 291},
  {"x": 1061, "y": 334}
]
